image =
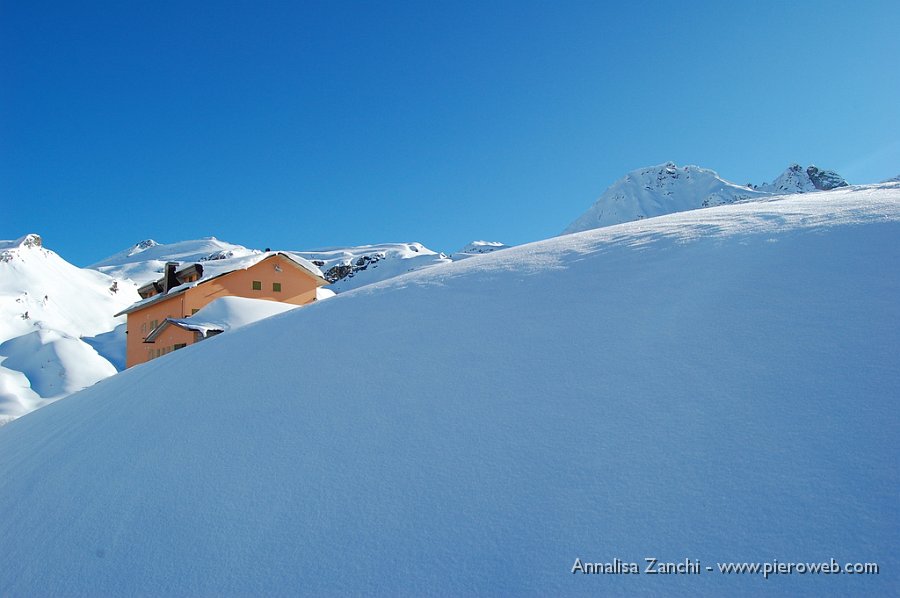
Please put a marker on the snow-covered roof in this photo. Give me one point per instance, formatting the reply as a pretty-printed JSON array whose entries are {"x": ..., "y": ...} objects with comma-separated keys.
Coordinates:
[
  {"x": 224, "y": 313},
  {"x": 216, "y": 268}
]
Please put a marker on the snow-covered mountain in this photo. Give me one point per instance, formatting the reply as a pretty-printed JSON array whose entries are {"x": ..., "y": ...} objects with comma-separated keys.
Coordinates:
[
  {"x": 796, "y": 179},
  {"x": 668, "y": 188},
  {"x": 56, "y": 321},
  {"x": 478, "y": 248},
  {"x": 718, "y": 386},
  {"x": 146, "y": 260},
  {"x": 352, "y": 267}
]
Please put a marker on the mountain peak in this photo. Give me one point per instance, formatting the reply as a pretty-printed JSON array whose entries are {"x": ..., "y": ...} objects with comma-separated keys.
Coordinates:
[
  {"x": 657, "y": 190},
  {"x": 667, "y": 188},
  {"x": 142, "y": 246},
  {"x": 24, "y": 242},
  {"x": 29, "y": 241},
  {"x": 796, "y": 179}
]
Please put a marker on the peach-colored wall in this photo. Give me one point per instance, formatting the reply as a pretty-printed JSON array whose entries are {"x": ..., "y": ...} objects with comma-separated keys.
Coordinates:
[
  {"x": 298, "y": 287},
  {"x": 165, "y": 342},
  {"x": 141, "y": 323}
]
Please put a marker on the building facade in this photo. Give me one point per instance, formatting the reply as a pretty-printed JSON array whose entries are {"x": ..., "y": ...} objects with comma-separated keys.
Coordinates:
[{"x": 180, "y": 293}]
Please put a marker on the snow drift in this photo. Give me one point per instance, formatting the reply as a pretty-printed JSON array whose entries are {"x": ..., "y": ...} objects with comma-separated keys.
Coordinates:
[{"x": 717, "y": 385}]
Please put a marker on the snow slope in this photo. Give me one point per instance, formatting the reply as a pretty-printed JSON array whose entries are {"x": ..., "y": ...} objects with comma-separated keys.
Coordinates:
[
  {"x": 667, "y": 188},
  {"x": 49, "y": 310},
  {"x": 717, "y": 385}
]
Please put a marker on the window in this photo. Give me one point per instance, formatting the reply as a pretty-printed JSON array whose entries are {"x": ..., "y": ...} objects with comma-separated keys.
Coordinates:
[
  {"x": 276, "y": 286},
  {"x": 179, "y": 346},
  {"x": 193, "y": 311},
  {"x": 257, "y": 285}
]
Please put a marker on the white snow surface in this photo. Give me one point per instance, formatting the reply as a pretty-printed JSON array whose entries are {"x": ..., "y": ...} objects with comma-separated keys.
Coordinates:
[
  {"x": 668, "y": 188},
  {"x": 717, "y": 384},
  {"x": 49, "y": 310},
  {"x": 230, "y": 313}
]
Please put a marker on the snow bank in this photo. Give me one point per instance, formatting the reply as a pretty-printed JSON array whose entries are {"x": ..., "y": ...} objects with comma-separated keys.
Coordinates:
[
  {"x": 230, "y": 313},
  {"x": 717, "y": 385}
]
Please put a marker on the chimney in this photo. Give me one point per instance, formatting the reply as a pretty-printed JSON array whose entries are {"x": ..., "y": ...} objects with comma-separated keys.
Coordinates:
[{"x": 169, "y": 280}]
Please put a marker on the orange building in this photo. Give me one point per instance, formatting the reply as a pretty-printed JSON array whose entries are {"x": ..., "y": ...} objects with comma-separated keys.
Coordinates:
[{"x": 180, "y": 293}]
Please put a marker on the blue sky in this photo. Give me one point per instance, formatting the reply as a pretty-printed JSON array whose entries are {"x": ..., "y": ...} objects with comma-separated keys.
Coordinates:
[{"x": 297, "y": 125}]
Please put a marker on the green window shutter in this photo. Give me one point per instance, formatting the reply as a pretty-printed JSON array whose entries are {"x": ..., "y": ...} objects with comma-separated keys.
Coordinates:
[
  {"x": 276, "y": 286},
  {"x": 257, "y": 285}
]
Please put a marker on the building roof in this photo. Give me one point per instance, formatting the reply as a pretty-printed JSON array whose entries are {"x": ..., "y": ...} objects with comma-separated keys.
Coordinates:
[
  {"x": 215, "y": 268},
  {"x": 224, "y": 313}
]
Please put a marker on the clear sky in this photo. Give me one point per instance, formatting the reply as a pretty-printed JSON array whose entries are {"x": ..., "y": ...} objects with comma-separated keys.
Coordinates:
[{"x": 298, "y": 125}]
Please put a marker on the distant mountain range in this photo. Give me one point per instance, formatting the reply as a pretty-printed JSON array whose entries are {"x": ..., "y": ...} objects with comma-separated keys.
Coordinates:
[{"x": 668, "y": 188}]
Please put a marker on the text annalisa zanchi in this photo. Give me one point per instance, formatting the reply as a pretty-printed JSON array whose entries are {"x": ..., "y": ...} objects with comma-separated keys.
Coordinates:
[{"x": 654, "y": 566}]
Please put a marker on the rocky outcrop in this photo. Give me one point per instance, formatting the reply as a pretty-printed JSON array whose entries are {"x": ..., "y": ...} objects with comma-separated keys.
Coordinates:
[
  {"x": 825, "y": 180},
  {"x": 349, "y": 269}
]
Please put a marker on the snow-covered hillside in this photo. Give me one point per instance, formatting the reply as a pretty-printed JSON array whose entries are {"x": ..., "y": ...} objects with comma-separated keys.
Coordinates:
[
  {"x": 667, "y": 188},
  {"x": 145, "y": 261},
  {"x": 352, "y": 267},
  {"x": 716, "y": 385},
  {"x": 54, "y": 318}
]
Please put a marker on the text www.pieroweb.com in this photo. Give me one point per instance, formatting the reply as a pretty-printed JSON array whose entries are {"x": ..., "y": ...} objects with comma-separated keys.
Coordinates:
[{"x": 655, "y": 566}]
